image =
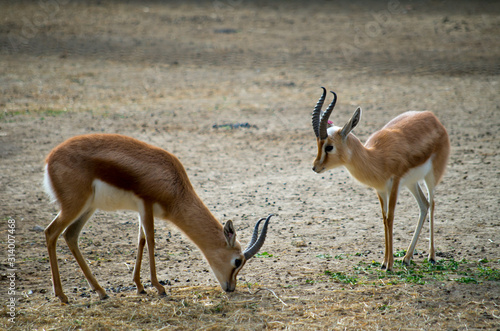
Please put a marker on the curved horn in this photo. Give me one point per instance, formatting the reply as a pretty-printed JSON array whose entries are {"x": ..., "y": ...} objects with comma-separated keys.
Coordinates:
[
  {"x": 252, "y": 250},
  {"x": 324, "y": 118},
  {"x": 317, "y": 112},
  {"x": 254, "y": 235}
]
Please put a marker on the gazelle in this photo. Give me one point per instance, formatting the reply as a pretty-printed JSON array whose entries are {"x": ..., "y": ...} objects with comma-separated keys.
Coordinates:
[
  {"x": 412, "y": 147},
  {"x": 111, "y": 172}
]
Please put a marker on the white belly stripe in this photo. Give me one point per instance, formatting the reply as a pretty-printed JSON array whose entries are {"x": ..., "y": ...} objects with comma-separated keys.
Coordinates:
[
  {"x": 108, "y": 197},
  {"x": 417, "y": 174}
]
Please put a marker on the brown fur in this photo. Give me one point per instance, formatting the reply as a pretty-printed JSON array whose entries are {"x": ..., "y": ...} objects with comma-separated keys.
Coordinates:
[
  {"x": 404, "y": 143},
  {"x": 407, "y": 142},
  {"x": 151, "y": 174}
]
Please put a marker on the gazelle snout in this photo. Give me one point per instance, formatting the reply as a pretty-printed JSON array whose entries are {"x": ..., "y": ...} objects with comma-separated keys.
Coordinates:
[
  {"x": 319, "y": 162},
  {"x": 318, "y": 169},
  {"x": 230, "y": 287}
]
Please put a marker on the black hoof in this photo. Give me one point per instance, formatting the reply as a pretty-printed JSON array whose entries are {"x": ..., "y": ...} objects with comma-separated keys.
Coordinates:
[{"x": 64, "y": 299}]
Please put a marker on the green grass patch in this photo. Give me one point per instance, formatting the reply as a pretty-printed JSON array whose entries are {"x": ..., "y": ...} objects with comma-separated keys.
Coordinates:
[
  {"x": 466, "y": 280},
  {"x": 400, "y": 253},
  {"x": 264, "y": 255},
  {"x": 446, "y": 270},
  {"x": 489, "y": 273},
  {"x": 342, "y": 277}
]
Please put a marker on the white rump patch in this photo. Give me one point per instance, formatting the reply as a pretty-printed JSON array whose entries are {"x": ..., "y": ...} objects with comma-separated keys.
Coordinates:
[{"x": 47, "y": 184}]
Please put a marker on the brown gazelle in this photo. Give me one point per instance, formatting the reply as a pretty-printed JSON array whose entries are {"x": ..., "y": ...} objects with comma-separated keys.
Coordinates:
[
  {"x": 111, "y": 172},
  {"x": 412, "y": 147}
]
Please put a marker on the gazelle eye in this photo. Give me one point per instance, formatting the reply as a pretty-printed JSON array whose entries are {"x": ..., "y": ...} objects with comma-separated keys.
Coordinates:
[
  {"x": 237, "y": 263},
  {"x": 328, "y": 148}
]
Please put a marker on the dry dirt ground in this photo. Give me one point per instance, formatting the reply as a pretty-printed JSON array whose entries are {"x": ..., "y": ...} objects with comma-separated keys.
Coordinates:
[{"x": 166, "y": 72}]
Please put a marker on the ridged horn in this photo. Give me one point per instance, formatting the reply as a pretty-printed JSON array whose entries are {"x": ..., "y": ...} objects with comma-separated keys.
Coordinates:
[
  {"x": 256, "y": 244},
  {"x": 317, "y": 113},
  {"x": 255, "y": 234},
  {"x": 323, "y": 125}
]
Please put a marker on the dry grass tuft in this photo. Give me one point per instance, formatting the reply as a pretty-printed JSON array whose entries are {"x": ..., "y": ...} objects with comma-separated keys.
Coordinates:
[{"x": 309, "y": 306}]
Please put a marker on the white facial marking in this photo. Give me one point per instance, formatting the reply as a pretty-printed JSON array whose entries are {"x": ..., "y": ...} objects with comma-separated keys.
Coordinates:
[{"x": 331, "y": 130}]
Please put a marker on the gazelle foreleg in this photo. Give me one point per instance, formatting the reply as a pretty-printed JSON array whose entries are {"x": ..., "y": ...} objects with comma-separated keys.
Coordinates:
[
  {"x": 389, "y": 225},
  {"x": 147, "y": 222},
  {"x": 416, "y": 191},
  {"x": 382, "y": 197},
  {"x": 138, "y": 260}
]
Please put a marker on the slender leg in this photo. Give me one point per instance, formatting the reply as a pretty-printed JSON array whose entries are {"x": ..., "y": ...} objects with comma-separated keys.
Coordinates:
[
  {"x": 416, "y": 191},
  {"x": 393, "y": 197},
  {"x": 52, "y": 233},
  {"x": 138, "y": 261},
  {"x": 432, "y": 252},
  {"x": 429, "y": 182},
  {"x": 147, "y": 221},
  {"x": 382, "y": 197},
  {"x": 71, "y": 236}
]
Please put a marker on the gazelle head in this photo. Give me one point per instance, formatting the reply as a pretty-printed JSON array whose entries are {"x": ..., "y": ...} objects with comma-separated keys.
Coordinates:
[
  {"x": 228, "y": 263},
  {"x": 333, "y": 150}
]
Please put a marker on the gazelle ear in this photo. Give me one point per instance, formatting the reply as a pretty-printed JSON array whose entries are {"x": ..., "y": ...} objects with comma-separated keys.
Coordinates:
[
  {"x": 351, "y": 124},
  {"x": 229, "y": 233}
]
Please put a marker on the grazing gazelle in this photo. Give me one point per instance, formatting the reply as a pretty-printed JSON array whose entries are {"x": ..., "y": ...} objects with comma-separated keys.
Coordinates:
[
  {"x": 412, "y": 147},
  {"x": 111, "y": 172}
]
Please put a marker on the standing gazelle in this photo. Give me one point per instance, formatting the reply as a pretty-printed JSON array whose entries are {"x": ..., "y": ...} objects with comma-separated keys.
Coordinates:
[
  {"x": 412, "y": 147},
  {"x": 111, "y": 172}
]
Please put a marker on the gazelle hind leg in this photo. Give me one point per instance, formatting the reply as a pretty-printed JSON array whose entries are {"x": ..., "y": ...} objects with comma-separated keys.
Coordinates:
[
  {"x": 52, "y": 233},
  {"x": 432, "y": 251},
  {"x": 138, "y": 261},
  {"x": 429, "y": 183},
  {"x": 147, "y": 221},
  {"x": 416, "y": 191},
  {"x": 71, "y": 235}
]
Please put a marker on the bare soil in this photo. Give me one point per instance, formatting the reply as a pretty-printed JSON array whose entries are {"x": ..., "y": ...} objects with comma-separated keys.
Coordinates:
[{"x": 178, "y": 74}]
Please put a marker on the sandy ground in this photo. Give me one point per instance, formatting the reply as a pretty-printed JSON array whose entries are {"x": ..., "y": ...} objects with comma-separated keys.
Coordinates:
[{"x": 167, "y": 72}]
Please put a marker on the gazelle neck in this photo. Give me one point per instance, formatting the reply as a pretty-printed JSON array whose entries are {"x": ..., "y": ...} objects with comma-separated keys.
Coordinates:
[
  {"x": 365, "y": 164},
  {"x": 198, "y": 223}
]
